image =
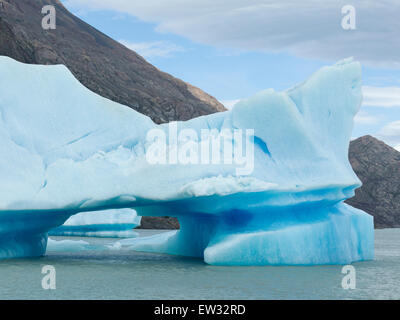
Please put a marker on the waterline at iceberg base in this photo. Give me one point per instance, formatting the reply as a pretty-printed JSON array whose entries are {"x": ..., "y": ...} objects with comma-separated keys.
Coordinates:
[{"x": 66, "y": 150}]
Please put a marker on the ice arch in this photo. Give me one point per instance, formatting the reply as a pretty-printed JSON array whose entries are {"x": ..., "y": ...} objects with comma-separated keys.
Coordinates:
[
  {"x": 66, "y": 150},
  {"x": 117, "y": 223}
]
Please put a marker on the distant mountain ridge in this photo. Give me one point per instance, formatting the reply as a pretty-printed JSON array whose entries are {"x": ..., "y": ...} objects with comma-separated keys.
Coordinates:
[
  {"x": 103, "y": 65},
  {"x": 378, "y": 167}
]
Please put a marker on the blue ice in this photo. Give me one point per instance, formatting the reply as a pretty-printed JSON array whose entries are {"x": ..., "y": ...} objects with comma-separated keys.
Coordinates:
[
  {"x": 66, "y": 151},
  {"x": 117, "y": 223}
]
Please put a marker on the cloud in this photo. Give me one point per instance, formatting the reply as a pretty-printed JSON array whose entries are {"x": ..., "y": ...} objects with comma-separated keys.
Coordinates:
[
  {"x": 148, "y": 50},
  {"x": 391, "y": 129},
  {"x": 363, "y": 118},
  {"x": 391, "y": 133},
  {"x": 381, "y": 96},
  {"x": 307, "y": 28}
]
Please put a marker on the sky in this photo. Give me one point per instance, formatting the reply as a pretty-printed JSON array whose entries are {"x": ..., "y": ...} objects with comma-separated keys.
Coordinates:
[{"x": 233, "y": 49}]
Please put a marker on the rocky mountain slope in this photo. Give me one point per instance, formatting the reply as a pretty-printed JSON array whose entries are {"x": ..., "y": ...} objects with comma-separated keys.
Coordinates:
[
  {"x": 378, "y": 167},
  {"x": 103, "y": 65}
]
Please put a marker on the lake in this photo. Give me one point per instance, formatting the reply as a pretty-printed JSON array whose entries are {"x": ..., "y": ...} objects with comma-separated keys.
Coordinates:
[{"x": 97, "y": 269}]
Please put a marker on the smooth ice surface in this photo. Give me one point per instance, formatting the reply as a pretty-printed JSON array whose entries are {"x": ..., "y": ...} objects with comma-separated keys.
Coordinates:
[
  {"x": 117, "y": 223},
  {"x": 67, "y": 245},
  {"x": 66, "y": 150}
]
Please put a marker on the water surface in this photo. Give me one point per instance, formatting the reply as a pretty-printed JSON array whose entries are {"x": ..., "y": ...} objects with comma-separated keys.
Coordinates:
[{"x": 90, "y": 273}]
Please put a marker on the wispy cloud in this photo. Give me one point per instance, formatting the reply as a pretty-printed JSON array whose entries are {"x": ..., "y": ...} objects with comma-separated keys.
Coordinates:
[
  {"x": 391, "y": 133},
  {"x": 381, "y": 96},
  {"x": 363, "y": 118},
  {"x": 154, "y": 49},
  {"x": 307, "y": 28},
  {"x": 391, "y": 129}
]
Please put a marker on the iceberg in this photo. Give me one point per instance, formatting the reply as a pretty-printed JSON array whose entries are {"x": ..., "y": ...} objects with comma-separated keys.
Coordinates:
[
  {"x": 101, "y": 224},
  {"x": 271, "y": 193},
  {"x": 68, "y": 245}
]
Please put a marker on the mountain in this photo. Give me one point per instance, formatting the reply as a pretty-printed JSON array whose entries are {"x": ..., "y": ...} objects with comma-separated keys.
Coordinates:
[
  {"x": 101, "y": 64},
  {"x": 378, "y": 167}
]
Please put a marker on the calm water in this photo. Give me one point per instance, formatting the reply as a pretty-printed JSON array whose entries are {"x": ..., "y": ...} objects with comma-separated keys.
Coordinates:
[{"x": 122, "y": 274}]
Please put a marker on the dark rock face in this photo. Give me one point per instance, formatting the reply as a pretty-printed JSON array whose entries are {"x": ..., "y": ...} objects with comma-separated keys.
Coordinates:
[
  {"x": 378, "y": 167},
  {"x": 98, "y": 62},
  {"x": 159, "y": 223}
]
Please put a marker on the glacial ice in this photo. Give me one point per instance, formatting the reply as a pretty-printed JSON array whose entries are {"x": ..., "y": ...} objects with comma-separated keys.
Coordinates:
[
  {"x": 66, "y": 150},
  {"x": 67, "y": 245},
  {"x": 117, "y": 223}
]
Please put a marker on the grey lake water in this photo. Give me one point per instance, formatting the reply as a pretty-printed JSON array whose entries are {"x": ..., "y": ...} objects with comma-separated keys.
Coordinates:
[{"x": 125, "y": 274}]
